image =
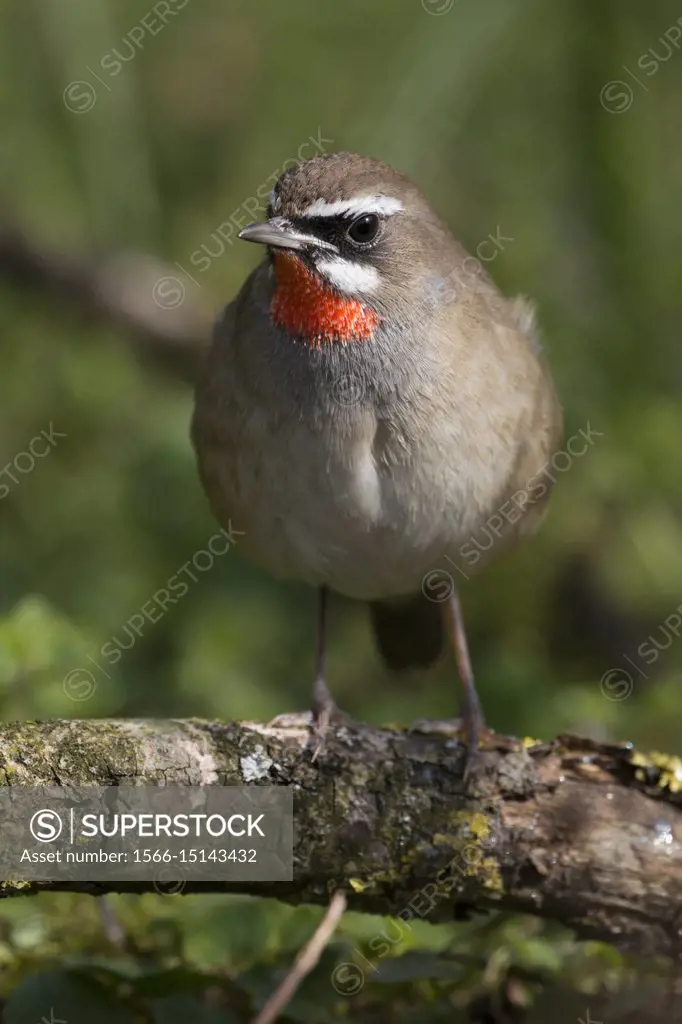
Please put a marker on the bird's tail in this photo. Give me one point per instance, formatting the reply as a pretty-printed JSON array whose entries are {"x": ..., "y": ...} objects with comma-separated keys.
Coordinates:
[{"x": 408, "y": 631}]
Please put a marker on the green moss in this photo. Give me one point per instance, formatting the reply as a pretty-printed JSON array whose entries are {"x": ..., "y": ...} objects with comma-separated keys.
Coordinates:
[
  {"x": 9, "y": 886},
  {"x": 9, "y": 776},
  {"x": 457, "y": 845},
  {"x": 473, "y": 828},
  {"x": 667, "y": 766},
  {"x": 80, "y": 752},
  {"x": 477, "y": 823},
  {"x": 361, "y": 776}
]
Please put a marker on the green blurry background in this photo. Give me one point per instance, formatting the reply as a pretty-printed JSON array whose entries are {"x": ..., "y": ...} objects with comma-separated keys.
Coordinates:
[{"x": 556, "y": 124}]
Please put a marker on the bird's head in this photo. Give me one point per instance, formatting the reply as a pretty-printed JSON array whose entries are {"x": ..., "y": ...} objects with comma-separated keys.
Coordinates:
[{"x": 352, "y": 243}]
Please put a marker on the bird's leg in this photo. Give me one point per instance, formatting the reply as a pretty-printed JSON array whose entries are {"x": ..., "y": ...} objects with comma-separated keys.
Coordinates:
[
  {"x": 324, "y": 706},
  {"x": 471, "y": 721},
  {"x": 324, "y": 709},
  {"x": 472, "y": 712}
]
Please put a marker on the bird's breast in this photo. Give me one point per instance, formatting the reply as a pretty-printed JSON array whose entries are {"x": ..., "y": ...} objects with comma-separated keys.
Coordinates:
[
  {"x": 367, "y": 488},
  {"x": 353, "y": 504},
  {"x": 308, "y": 310}
]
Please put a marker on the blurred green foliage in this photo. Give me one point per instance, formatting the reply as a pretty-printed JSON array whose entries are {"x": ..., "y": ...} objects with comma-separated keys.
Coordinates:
[{"x": 556, "y": 124}]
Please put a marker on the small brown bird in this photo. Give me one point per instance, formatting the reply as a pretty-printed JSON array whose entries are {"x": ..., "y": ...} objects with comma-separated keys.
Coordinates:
[{"x": 373, "y": 410}]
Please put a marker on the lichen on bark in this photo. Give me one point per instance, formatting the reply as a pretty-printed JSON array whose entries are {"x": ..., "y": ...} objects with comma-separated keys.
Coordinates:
[{"x": 571, "y": 829}]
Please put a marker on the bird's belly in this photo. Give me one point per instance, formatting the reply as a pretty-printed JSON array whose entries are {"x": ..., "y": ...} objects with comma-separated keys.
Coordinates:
[{"x": 339, "y": 516}]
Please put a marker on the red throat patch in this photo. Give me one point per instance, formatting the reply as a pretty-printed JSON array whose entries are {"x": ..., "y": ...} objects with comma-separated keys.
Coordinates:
[{"x": 304, "y": 306}]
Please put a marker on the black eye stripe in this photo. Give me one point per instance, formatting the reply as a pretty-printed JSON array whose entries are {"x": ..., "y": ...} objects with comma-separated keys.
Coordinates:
[
  {"x": 330, "y": 229},
  {"x": 339, "y": 222}
]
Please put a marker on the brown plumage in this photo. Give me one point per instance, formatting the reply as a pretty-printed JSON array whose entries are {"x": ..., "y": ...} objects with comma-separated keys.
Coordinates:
[{"x": 360, "y": 460}]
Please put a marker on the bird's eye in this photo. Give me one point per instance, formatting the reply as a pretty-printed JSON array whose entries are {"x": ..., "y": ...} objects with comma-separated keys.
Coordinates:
[{"x": 364, "y": 229}]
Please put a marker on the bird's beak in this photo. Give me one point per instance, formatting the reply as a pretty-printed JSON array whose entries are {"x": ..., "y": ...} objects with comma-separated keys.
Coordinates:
[{"x": 281, "y": 234}]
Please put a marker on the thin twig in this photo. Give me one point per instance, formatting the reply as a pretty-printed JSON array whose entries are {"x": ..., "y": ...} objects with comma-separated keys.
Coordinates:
[
  {"x": 113, "y": 929},
  {"x": 304, "y": 962}
]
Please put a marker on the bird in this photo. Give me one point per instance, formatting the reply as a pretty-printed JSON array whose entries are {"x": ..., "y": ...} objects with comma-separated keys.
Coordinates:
[{"x": 377, "y": 416}]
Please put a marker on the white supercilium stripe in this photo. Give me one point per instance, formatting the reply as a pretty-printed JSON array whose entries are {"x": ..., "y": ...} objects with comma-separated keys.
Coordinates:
[
  {"x": 348, "y": 276},
  {"x": 360, "y": 204}
]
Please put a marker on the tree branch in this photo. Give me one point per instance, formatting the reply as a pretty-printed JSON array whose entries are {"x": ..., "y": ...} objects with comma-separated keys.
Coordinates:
[
  {"x": 146, "y": 299},
  {"x": 583, "y": 833}
]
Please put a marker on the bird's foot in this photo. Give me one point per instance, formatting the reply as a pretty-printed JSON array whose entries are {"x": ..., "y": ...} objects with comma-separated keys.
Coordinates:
[
  {"x": 470, "y": 735},
  {"x": 319, "y": 726},
  {"x": 325, "y": 716},
  {"x": 324, "y": 722}
]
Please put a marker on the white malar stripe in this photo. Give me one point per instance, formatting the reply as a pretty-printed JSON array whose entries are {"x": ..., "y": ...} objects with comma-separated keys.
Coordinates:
[
  {"x": 348, "y": 276},
  {"x": 385, "y": 205}
]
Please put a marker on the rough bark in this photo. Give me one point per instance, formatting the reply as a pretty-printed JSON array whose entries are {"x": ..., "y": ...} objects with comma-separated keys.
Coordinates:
[{"x": 586, "y": 834}]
